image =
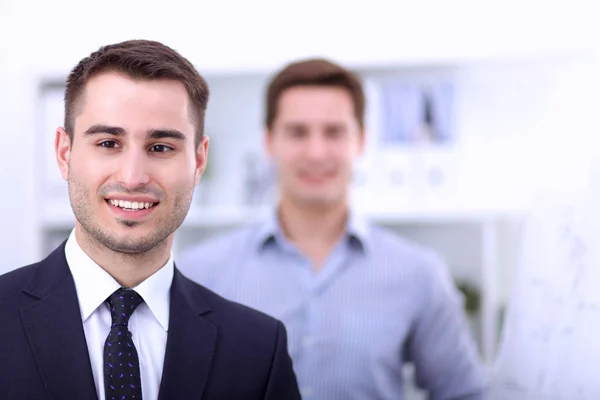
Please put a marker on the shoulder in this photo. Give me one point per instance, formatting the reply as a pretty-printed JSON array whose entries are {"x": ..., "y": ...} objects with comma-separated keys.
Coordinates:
[
  {"x": 17, "y": 278},
  {"x": 236, "y": 320},
  {"x": 214, "y": 246},
  {"x": 257, "y": 342},
  {"x": 201, "y": 260},
  {"x": 238, "y": 313},
  {"x": 13, "y": 282},
  {"x": 398, "y": 251},
  {"x": 423, "y": 268}
]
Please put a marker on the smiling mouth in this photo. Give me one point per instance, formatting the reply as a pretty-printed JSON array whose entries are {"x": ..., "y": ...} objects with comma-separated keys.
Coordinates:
[
  {"x": 315, "y": 177},
  {"x": 130, "y": 205}
]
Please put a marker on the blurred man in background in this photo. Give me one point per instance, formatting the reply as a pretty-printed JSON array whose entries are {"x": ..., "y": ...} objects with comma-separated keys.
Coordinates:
[{"x": 358, "y": 302}]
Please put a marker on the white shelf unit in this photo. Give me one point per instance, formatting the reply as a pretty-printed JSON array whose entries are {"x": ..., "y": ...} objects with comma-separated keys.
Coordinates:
[{"x": 473, "y": 222}]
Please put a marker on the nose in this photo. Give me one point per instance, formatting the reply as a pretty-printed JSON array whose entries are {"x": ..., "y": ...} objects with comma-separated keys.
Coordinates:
[
  {"x": 133, "y": 169},
  {"x": 317, "y": 147}
]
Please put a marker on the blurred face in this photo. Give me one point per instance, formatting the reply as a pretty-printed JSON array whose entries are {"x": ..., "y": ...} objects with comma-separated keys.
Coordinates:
[
  {"x": 133, "y": 165},
  {"x": 314, "y": 142}
]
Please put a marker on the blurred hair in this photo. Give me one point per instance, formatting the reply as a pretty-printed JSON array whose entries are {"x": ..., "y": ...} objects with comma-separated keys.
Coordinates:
[
  {"x": 314, "y": 72},
  {"x": 138, "y": 60}
]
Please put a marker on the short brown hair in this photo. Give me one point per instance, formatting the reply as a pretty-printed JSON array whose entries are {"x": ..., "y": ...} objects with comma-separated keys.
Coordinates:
[
  {"x": 314, "y": 72},
  {"x": 138, "y": 59}
]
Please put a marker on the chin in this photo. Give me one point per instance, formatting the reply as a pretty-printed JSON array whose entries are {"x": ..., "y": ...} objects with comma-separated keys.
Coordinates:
[
  {"x": 125, "y": 223},
  {"x": 134, "y": 242},
  {"x": 320, "y": 201},
  {"x": 124, "y": 230}
]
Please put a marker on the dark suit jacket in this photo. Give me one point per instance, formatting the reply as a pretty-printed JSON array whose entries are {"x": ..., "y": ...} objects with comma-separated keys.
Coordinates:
[{"x": 216, "y": 349}]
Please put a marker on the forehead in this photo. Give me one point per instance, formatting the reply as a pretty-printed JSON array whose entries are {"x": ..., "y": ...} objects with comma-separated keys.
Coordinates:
[
  {"x": 114, "y": 99},
  {"x": 315, "y": 103}
]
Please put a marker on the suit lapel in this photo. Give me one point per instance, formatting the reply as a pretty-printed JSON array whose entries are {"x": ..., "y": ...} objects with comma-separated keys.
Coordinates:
[
  {"x": 55, "y": 331},
  {"x": 190, "y": 344}
]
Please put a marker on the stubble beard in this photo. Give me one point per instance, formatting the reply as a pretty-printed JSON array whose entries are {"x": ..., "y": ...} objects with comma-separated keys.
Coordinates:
[{"x": 166, "y": 224}]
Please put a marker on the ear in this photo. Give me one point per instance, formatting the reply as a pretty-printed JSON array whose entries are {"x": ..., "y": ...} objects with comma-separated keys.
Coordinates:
[
  {"x": 201, "y": 158},
  {"x": 62, "y": 148}
]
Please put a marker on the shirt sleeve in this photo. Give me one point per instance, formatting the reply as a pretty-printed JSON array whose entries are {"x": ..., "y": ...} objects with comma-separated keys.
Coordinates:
[{"x": 446, "y": 361}]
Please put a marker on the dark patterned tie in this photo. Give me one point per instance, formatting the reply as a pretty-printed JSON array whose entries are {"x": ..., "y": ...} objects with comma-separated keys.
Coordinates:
[{"x": 121, "y": 363}]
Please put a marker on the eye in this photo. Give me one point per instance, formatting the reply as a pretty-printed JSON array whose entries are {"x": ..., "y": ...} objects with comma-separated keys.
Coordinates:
[
  {"x": 297, "y": 132},
  {"x": 109, "y": 144},
  {"x": 160, "y": 148},
  {"x": 335, "y": 132}
]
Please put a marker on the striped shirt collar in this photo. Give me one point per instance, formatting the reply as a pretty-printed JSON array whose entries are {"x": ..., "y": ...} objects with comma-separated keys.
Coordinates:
[{"x": 357, "y": 231}]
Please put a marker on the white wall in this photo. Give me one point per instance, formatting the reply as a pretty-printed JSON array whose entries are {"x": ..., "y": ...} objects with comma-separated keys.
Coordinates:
[
  {"x": 18, "y": 205},
  {"x": 264, "y": 33},
  {"x": 47, "y": 38}
]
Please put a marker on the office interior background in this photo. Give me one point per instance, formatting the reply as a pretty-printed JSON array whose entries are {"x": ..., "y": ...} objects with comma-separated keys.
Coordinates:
[{"x": 496, "y": 104}]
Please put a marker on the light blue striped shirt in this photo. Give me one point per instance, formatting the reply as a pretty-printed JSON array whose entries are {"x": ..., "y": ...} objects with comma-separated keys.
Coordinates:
[{"x": 379, "y": 301}]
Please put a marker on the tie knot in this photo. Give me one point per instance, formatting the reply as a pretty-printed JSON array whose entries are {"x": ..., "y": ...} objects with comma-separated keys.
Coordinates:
[{"x": 123, "y": 303}]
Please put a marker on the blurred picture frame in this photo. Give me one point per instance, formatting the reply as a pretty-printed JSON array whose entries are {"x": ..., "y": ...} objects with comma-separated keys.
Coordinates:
[{"x": 414, "y": 113}]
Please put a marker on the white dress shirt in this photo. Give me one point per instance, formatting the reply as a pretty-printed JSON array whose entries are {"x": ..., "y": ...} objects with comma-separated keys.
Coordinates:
[{"x": 148, "y": 324}]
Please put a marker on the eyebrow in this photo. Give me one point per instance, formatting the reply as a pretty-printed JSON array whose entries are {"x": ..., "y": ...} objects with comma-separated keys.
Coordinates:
[
  {"x": 294, "y": 125},
  {"x": 112, "y": 130},
  {"x": 165, "y": 133},
  {"x": 151, "y": 134},
  {"x": 302, "y": 125}
]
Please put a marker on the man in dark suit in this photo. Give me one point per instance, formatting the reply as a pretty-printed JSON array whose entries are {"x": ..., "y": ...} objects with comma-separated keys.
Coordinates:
[{"x": 107, "y": 315}]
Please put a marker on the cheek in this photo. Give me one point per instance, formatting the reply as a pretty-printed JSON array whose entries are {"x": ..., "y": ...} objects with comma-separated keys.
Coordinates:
[
  {"x": 345, "y": 156},
  {"x": 88, "y": 164},
  {"x": 282, "y": 160},
  {"x": 81, "y": 173},
  {"x": 348, "y": 161},
  {"x": 291, "y": 166},
  {"x": 176, "y": 182}
]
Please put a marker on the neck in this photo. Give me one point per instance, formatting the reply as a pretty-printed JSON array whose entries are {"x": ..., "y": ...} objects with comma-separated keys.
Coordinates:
[
  {"x": 314, "y": 230},
  {"x": 127, "y": 269}
]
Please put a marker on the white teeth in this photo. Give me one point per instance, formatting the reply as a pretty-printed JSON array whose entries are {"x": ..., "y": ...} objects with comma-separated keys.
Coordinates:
[{"x": 130, "y": 205}]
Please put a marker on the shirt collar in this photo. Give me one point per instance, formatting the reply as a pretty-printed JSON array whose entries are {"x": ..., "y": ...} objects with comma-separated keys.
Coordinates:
[
  {"x": 268, "y": 230},
  {"x": 94, "y": 285},
  {"x": 357, "y": 230}
]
